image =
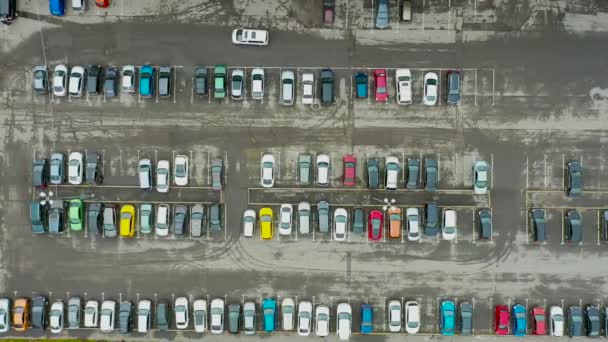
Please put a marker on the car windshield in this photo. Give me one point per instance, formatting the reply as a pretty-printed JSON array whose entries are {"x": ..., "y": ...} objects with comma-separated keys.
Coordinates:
[
  {"x": 412, "y": 324},
  {"x": 180, "y": 170},
  {"x": 381, "y": 90},
  {"x": 266, "y": 218},
  {"x": 576, "y": 318},
  {"x": 267, "y": 165},
  {"x": 344, "y": 316},
  {"x": 288, "y": 309},
  {"x": 395, "y": 217},
  {"x": 249, "y": 219},
  {"x": 392, "y": 167},
  {"x": 539, "y": 318},
  {"x": 268, "y": 311},
  {"x": 125, "y": 216},
  {"x": 341, "y": 219}
]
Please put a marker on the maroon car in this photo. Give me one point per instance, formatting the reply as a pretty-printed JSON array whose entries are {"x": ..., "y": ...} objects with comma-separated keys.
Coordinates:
[{"x": 350, "y": 167}]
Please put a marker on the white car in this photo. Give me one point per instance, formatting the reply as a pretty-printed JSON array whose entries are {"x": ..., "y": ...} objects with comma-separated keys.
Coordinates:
[
  {"x": 161, "y": 226},
  {"x": 413, "y": 224},
  {"x": 394, "y": 316},
  {"x": 181, "y": 312},
  {"x": 127, "y": 82},
  {"x": 304, "y": 318},
  {"x": 449, "y": 229},
  {"x": 480, "y": 177},
  {"x": 308, "y": 88},
  {"x": 285, "y": 219},
  {"x": 79, "y": 5},
  {"x": 60, "y": 80},
  {"x": 431, "y": 82},
  {"x": 199, "y": 313},
  {"x": 91, "y": 313},
  {"x": 75, "y": 168},
  {"x": 217, "y": 316},
  {"x": 249, "y": 222},
  {"x": 257, "y": 83},
  {"x": 77, "y": 78},
  {"x": 412, "y": 317},
  {"x": 403, "y": 80},
  {"x": 322, "y": 317},
  {"x": 107, "y": 316},
  {"x": 241, "y": 36},
  {"x": 56, "y": 317},
  {"x": 180, "y": 172},
  {"x": 237, "y": 88},
  {"x": 304, "y": 217},
  {"x": 344, "y": 315},
  {"x": 249, "y": 318},
  {"x": 5, "y": 315},
  {"x": 163, "y": 174},
  {"x": 288, "y": 309},
  {"x": 144, "y": 315},
  {"x": 323, "y": 169},
  {"x": 340, "y": 224},
  {"x": 392, "y": 173},
  {"x": 267, "y": 171},
  {"x": 556, "y": 324}
]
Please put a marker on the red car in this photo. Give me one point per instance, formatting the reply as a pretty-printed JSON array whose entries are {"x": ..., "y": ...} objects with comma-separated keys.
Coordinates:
[
  {"x": 501, "y": 320},
  {"x": 350, "y": 167},
  {"x": 102, "y": 3},
  {"x": 380, "y": 81},
  {"x": 538, "y": 317},
  {"x": 375, "y": 225}
]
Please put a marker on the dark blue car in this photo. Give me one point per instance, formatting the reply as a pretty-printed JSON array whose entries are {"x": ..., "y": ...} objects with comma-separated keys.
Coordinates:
[
  {"x": 367, "y": 318},
  {"x": 57, "y": 7}
]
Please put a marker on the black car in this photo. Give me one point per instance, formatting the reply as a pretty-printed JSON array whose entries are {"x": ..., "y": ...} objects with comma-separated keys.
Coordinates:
[
  {"x": 373, "y": 173},
  {"x": 485, "y": 224},
  {"x": 574, "y": 179},
  {"x": 431, "y": 219},
  {"x": 593, "y": 321},
  {"x": 8, "y": 11},
  {"x": 93, "y": 79},
  {"x": 110, "y": 83},
  {"x": 538, "y": 224},
  {"x": 327, "y": 86},
  {"x": 124, "y": 317},
  {"x": 200, "y": 80},
  {"x": 179, "y": 219},
  {"x": 94, "y": 218},
  {"x": 93, "y": 173},
  {"x": 431, "y": 173},
  {"x": 574, "y": 231},
  {"x": 39, "y": 309},
  {"x": 40, "y": 173}
]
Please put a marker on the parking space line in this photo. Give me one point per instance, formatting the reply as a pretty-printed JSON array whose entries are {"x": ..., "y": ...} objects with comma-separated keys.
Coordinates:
[
  {"x": 492, "y": 170},
  {"x": 174, "y": 82},
  {"x": 598, "y": 227},
  {"x": 563, "y": 232},
  {"x": 225, "y": 224},
  {"x": 475, "y": 92},
  {"x": 493, "y": 87},
  {"x": 545, "y": 171},
  {"x": 372, "y": 18},
  {"x": 473, "y": 214},
  {"x": 563, "y": 172}
]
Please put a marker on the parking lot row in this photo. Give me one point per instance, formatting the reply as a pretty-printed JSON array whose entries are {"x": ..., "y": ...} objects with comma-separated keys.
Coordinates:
[
  {"x": 548, "y": 171},
  {"x": 573, "y": 226}
]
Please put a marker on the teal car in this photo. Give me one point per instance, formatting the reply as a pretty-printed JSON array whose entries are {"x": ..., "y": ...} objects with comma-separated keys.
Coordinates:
[
  {"x": 146, "y": 81},
  {"x": 219, "y": 81},
  {"x": 448, "y": 317},
  {"x": 519, "y": 320},
  {"x": 361, "y": 84},
  {"x": 146, "y": 218},
  {"x": 75, "y": 214},
  {"x": 269, "y": 307}
]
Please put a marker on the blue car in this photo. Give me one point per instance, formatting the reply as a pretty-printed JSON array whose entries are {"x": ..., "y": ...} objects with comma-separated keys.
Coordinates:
[
  {"x": 519, "y": 320},
  {"x": 361, "y": 84},
  {"x": 367, "y": 319},
  {"x": 269, "y": 307},
  {"x": 448, "y": 317},
  {"x": 57, "y": 7},
  {"x": 146, "y": 81}
]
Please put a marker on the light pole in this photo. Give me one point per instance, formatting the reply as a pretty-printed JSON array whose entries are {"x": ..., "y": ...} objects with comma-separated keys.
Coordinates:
[
  {"x": 388, "y": 203},
  {"x": 46, "y": 197}
]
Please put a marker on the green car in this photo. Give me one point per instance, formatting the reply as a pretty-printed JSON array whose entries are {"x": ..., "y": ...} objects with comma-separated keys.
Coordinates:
[
  {"x": 146, "y": 220},
  {"x": 76, "y": 213},
  {"x": 219, "y": 81}
]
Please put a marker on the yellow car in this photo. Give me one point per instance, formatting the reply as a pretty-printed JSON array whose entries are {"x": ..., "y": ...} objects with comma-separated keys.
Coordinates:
[
  {"x": 127, "y": 221},
  {"x": 266, "y": 223}
]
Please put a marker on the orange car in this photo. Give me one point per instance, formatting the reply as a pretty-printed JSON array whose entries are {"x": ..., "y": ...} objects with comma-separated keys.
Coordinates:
[
  {"x": 394, "y": 222},
  {"x": 21, "y": 314}
]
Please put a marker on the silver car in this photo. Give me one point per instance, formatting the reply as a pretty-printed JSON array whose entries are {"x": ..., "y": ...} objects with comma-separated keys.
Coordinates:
[
  {"x": 304, "y": 217},
  {"x": 197, "y": 220},
  {"x": 249, "y": 318},
  {"x": 217, "y": 168},
  {"x": 41, "y": 79},
  {"x": 288, "y": 81},
  {"x": 238, "y": 84},
  {"x": 127, "y": 82},
  {"x": 74, "y": 305}
]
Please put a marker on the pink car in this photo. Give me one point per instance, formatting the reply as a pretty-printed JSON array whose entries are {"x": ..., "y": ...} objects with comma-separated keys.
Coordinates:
[{"x": 380, "y": 81}]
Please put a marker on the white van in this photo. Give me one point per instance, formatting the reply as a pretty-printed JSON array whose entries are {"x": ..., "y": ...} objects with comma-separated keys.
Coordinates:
[
  {"x": 449, "y": 224},
  {"x": 406, "y": 10},
  {"x": 242, "y": 36},
  {"x": 144, "y": 171},
  {"x": 392, "y": 173}
]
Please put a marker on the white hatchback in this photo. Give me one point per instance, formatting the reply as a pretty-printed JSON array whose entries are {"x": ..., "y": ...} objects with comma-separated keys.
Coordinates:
[
  {"x": 322, "y": 317},
  {"x": 180, "y": 173},
  {"x": 288, "y": 309},
  {"x": 308, "y": 88},
  {"x": 413, "y": 224},
  {"x": 163, "y": 173},
  {"x": 257, "y": 83},
  {"x": 108, "y": 316},
  {"x": 392, "y": 173},
  {"x": 75, "y": 168},
  {"x": 394, "y": 316},
  {"x": 340, "y": 224},
  {"x": 91, "y": 312},
  {"x": 285, "y": 219},
  {"x": 77, "y": 79},
  {"x": 304, "y": 318},
  {"x": 323, "y": 169},
  {"x": 449, "y": 229},
  {"x": 60, "y": 80},
  {"x": 249, "y": 223},
  {"x": 127, "y": 82},
  {"x": 56, "y": 317},
  {"x": 181, "y": 313},
  {"x": 217, "y": 316},
  {"x": 403, "y": 80},
  {"x": 199, "y": 313},
  {"x": 144, "y": 315},
  {"x": 556, "y": 326},
  {"x": 412, "y": 317},
  {"x": 267, "y": 171},
  {"x": 344, "y": 319},
  {"x": 161, "y": 227},
  {"x": 431, "y": 82}
]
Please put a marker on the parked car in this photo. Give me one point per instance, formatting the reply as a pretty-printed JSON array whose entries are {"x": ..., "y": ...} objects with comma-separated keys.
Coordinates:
[
  {"x": 431, "y": 172},
  {"x": 197, "y": 220},
  {"x": 575, "y": 321},
  {"x": 128, "y": 78},
  {"x": 449, "y": 224},
  {"x": 74, "y": 308},
  {"x": 413, "y": 224},
  {"x": 538, "y": 224},
  {"x": 55, "y": 219},
  {"x": 241, "y": 36},
  {"x": 466, "y": 319},
  {"x": 592, "y": 321},
  {"x": 448, "y": 318},
  {"x": 107, "y": 316},
  {"x": 556, "y": 324},
  {"x": 146, "y": 81},
  {"x": 367, "y": 319},
  {"x": 200, "y": 80},
  {"x": 375, "y": 225},
  {"x": 56, "y": 317},
  {"x": 403, "y": 83},
  {"x": 234, "y": 316},
  {"x": 215, "y": 218},
  {"x": 257, "y": 84},
  {"x": 249, "y": 321},
  {"x": 480, "y": 177},
  {"x": 79, "y": 5},
  {"x": 217, "y": 173},
  {"x": 144, "y": 316},
  {"x": 110, "y": 82},
  {"x": 75, "y": 168},
  {"x": 146, "y": 218},
  {"x": 350, "y": 170},
  {"x": 180, "y": 175},
  {"x": 485, "y": 224},
  {"x": 380, "y": 84},
  {"x": 180, "y": 216},
  {"x": 413, "y": 165},
  {"x": 269, "y": 307},
  {"x": 94, "y": 218},
  {"x": 8, "y": 11},
  {"x": 323, "y": 216},
  {"x": 161, "y": 227},
  {"x": 308, "y": 88},
  {"x": 21, "y": 314},
  {"x": 304, "y": 217},
  {"x": 392, "y": 173},
  {"x": 520, "y": 325},
  {"x": 124, "y": 317},
  {"x": 358, "y": 220},
  {"x": 344, "y": 321},
  {"x": 181, "y": 313},
  {"x": 406, "y": 11},
  {"x": 323, "y": 169},
  {"x": 340, "y": 224},
  {"x": 266, "y": 224},
  {"x": 109, "y": 221},
  {"x": 38, "y": 217},
  {"x": 127, "y": 221},
  {"x": 412, "y": 317},
  {"x": 77, "y": 80},
  {"x": 304, "y": 318},
  {"x": 288, "y": 81},
  {"x": 76, "y": 214},
  {"x": 237, "y": 84},
  {"x": 267, "y": 171},
  {"x": 394, "y": 222},
  {"x": 163, "y": 175},
  {"x": 288, "y": 310},
  {"x": 60, "y": 80},
  {"x": 574, "y": 231},
  {"x": 39, "y": 311},
  {"x": 91, "y": 314},
  {"x": 102, "y": 3},
  {"x": 453, "y": 87},
  {"x": 285, "y": 219},
  {"x": 94, "y": 73},
  {"x": 322, "y": 316},
  {"x": 219, "y": 81},
  {"x": 501, "y": 319},
  {"x": 539, "y": 326},
  {"x": 574, "y": 184},
  {"x": 93, "y": 166},
  {"x": 162, "y": 315},
  {"x": 605, "y": 226},
  {"x": 165, "y": 82},
  {"x": 373, "y": 173},
  {"x": 199, "y": 315},
  {"x": 41, "y": 79},
  {"x": 361, "y": 80},
  {"x": 304, "y": 168},
  {"x": 329, "y": 8},
  {"x": 431, "y": 82},
  {"x": 217, "y": 316},
  {"x": 248, "y": 223},
  {"x": 382, "y": 14},
  {"x": 327, "y": 86},
  {"x": 394, "y": 316},
  {"x": 57, "y": 175}
]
